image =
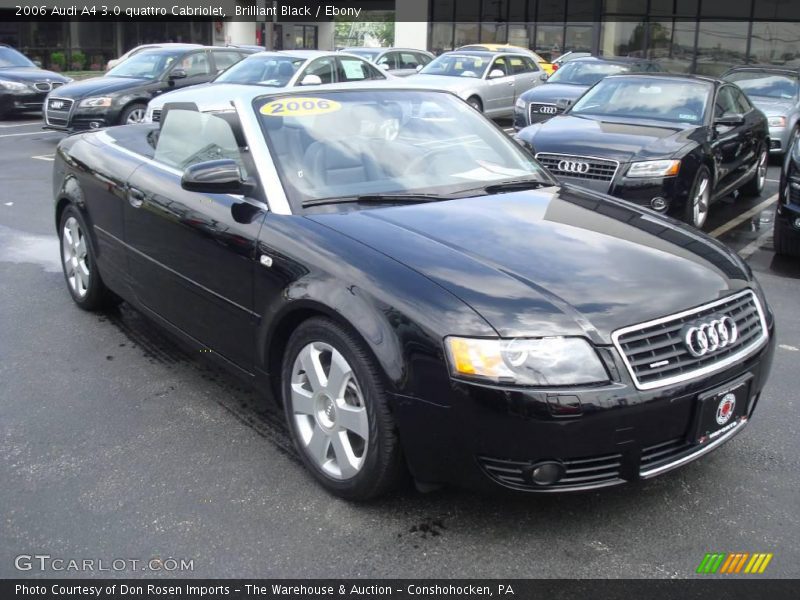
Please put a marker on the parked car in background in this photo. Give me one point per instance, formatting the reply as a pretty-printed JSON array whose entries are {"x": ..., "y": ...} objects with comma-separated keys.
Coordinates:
[
  {"x": 673, "y": 143},
  {"x": 489, "y": 81},
  {"x": 565, "y": 58},
  {"x": 545, "y": 65},
  {"x": 134, "y": 51},
  {"x": 400, "y": 62},
  {"x": 121, "y": 96},
  {"x": 23, "y": 85},
  {"x": 414, "y": 303},
  {"x": 775, "y": 91},
  {"x": 787, "y": 213},
  {"x": 568, "y": 83},
  {"x": 286, "y": 68}
]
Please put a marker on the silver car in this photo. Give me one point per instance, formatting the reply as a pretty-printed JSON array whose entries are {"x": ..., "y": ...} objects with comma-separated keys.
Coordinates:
[
  {"x": 775, "y": 91},
  {"x": 275, "y": 70},
  {"x": 489, "y": 81},
  {"x": 400, "y": 62}
]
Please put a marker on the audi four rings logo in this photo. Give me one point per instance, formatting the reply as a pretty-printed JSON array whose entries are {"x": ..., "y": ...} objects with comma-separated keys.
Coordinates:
[
  {"x": 703, "y": 338},
  {"x": 573, "y": 166},
  {"x": 548, "y": 110},
  {"x": 56, "y": 104}
]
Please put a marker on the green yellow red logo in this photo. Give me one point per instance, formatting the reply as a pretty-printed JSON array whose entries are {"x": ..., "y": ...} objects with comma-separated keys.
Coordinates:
[{"x": 734, "y": 563}]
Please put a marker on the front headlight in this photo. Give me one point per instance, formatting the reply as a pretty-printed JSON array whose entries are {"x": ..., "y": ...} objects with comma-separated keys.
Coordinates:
[
  {"x": 777, "y": 121},
  {"x": 654, "y": 168},
  {"x": 520, "y": 104},
  {"x": 13, "y": 86},
  {"x": 541, "y": 361},
  {"x": 101, "y": 101}
]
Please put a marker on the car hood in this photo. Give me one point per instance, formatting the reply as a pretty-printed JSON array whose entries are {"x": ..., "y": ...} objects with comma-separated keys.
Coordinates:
[
  {"x": 773, "y": 107},
  {"x": 620, "y": 141},
  {"x": 553, "y": 261},
  {"x": 553, "y": 92},
  {"x": 30, "y": 74},
  {"x": 99, "y": 85},
  {"x": 443, "y": 82}
]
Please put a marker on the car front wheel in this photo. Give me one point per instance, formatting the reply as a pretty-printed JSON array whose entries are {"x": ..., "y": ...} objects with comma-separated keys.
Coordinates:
[
  {"x": 337, "y": 410},
  {"x": 697, "y": 204},
  {"x": 755, "y": 186},
  {"x": 133, "y": 114}
]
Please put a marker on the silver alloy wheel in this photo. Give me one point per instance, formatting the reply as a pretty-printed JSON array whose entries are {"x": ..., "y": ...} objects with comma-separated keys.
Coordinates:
[
  {"x": 700, "y": 202},
  {"x": 761, "y": 173},
  {"x": 329, "y": 411},
  {"x": 135, "y": 116},
  {"x": 74, "y": 254}
]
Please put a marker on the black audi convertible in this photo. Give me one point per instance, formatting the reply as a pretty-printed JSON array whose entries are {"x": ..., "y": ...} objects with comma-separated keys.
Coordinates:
[
  {"x": 673, "y": 143},
  {"x": 416, "y": 291}
]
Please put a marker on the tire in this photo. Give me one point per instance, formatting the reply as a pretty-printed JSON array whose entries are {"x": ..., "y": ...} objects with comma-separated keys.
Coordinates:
[
  {"x": 132, "y": 113},
  {"x": 355, "y": 466},
  {"x": 694, "y": 218},
  {"x": 78, "y": 263},
  {"x": 755, "y": 186},
  {"x": 475, "y": 103}
]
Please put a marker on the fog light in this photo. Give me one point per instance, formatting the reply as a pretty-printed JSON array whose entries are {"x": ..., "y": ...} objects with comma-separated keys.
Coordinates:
[
  {"x": 94, "y": 124},
  {"x": 546, "y": 473},
  {"x": 658, "y": 203},
  {"x": 797, "y": 223}
]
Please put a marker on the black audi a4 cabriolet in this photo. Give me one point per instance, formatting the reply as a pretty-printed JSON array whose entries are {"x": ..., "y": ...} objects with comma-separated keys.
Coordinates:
[
  {"x": 417, "y": 292},
  {"x": 673, "y": 143}
]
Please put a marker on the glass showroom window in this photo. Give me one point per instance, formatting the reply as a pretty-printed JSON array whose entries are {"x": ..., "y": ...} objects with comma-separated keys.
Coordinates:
[
  {"x": 775, "y": 43},
  {"x": 622, "y": 38},
  {"x": 671, "y": 43},
  {"x": 720, "y": 45}
]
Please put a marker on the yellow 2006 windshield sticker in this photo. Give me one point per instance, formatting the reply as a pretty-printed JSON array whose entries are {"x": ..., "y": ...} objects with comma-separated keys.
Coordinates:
[{"x": 299, "y": 107}]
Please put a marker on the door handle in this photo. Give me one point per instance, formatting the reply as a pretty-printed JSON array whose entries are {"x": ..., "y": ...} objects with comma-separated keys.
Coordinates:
[{"x": 135, "y": 197}]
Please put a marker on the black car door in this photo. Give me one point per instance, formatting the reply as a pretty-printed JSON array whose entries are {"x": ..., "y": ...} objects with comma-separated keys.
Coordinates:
[
  {"x": 191, "y": 68},
  {"x": 728, "y": 140},
  {"x": 190, "y": 254}
]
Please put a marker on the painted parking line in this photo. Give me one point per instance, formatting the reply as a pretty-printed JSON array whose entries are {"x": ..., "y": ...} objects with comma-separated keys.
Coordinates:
[
  {"x": 736, "y": 221},
  {"x": 27, "y": 124},
  {"x": 756, "y": 244},
  {"x": 5, "y": 135},
  {"x": 50, "y": 157}
]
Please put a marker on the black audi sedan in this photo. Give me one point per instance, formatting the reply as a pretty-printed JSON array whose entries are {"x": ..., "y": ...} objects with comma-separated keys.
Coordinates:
[
  {"x": 673, "y": 143},
  {"x": 567, "y": 84},
  {"x": 122, "y": 94},
  {"x": 787, "y": 213},
  {"x": 416, "y": 291},
  {"x": 23, "y": 85}
]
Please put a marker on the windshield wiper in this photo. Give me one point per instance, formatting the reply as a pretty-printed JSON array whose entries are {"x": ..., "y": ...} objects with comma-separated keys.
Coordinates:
[
  {"x": 515, "y": 184},
  {"x": 376, "y": 199}
]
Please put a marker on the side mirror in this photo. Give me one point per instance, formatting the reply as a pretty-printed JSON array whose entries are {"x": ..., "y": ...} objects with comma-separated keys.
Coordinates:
[
  {"x": 563, "y": 104},
  {"x": 177, "y": 73},
  {"x": 383, "y": 66},
  {"x": 418, "y": 69},
  {"x": 496, "y": 73},
  {"x": 216, "y": 177},
  {"x": 543, "y": 76},
  {"x": 311, "y": 80},
  {"x": 729, "y": 120}
]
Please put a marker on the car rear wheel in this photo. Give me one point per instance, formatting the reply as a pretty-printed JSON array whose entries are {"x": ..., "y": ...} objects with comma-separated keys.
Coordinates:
[
  {"x": 755, "y": 186},
  {"x": 696, "y": 211},
  {"x": 475, "y": 103},
  {"x": 133, "y": 114},
  {"x": 78, "y": 262},
  {"x": 337, "y": 410}
]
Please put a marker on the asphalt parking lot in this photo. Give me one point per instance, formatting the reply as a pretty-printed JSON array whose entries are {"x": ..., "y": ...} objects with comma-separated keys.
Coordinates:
[{"x": 115, "y": 443}]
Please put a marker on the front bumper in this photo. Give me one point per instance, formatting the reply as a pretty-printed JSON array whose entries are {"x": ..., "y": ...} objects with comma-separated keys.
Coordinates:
[
  {"x": 22, "y": 101},
  {"x": 79, "y": 118},
  {"x": 779, "y": 138},
  {"x": 490, "y": 438}
]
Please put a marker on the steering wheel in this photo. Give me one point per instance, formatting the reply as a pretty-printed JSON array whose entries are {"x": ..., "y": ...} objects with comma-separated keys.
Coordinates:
[{"x": 425, "y": 159}]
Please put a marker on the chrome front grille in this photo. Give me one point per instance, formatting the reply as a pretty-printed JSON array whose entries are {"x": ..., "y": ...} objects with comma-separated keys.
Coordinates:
[
  {"x": 662, "y": 453},
  {"x": 656, "y": 352},
  {"x": 57, "y": 111},
  {"x": 579, "y": 167},
  {"x": 580, "y": 473},
  {"x": 43, "y": 86},
  {"x": 539, "y": 111}
]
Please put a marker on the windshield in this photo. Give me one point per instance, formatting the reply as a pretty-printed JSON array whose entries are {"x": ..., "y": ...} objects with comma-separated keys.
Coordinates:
[
  {"x": 645, "y": 98},
  {"x": 457, "y": 65},
  {"x": 368, "y": 54},
  {"x": 149, "y": 64},
  {"x": 765, "y": 84},
  {"x": 341, "y": 144},
  {"x": 11, "y": 58},
  {"x": 585, "y": 72},
  {"x": 270, "y": 70}
]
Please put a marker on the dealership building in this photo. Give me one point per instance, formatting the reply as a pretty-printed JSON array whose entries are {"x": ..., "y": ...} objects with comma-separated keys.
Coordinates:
[{"x": 695, "y": 36}]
